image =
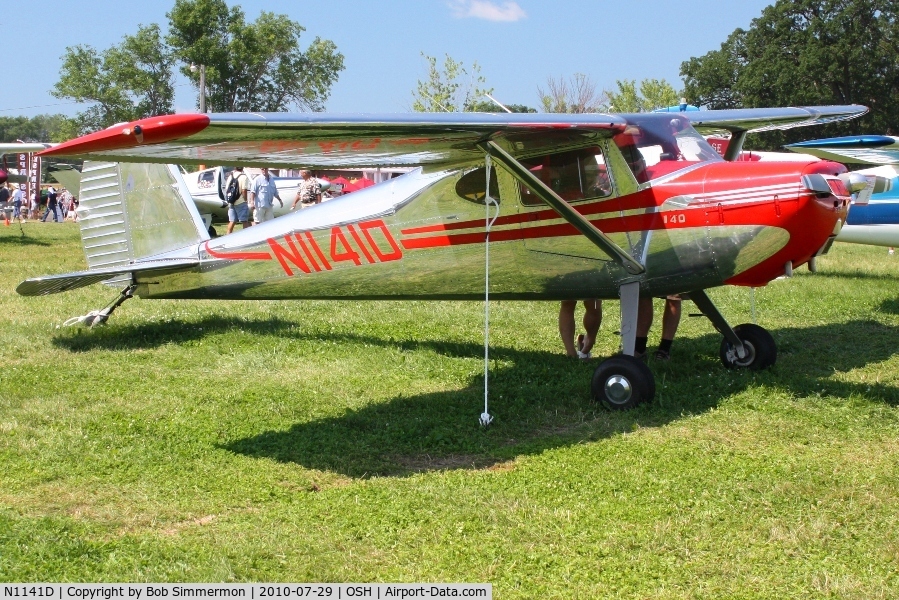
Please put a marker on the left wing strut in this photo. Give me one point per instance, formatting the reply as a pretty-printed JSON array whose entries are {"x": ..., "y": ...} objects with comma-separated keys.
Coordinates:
[{"x": 565, "y": 210}]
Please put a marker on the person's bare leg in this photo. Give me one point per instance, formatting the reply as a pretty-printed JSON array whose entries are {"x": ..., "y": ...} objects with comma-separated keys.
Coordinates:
[
  {"x": 644, "y": 317},
  {"x": 592, "y": 321},
  {"x": 566, "y": 326},
  {"x": 670, "y": 319},
  {"x": 644, "y": 324}
]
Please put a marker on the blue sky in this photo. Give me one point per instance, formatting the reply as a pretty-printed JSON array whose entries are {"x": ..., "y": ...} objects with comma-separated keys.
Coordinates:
[{"x": 517, "y": 43}]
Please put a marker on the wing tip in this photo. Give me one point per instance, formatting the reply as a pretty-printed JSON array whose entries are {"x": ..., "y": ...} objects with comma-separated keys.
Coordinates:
[
  {"x": 152, "y": 130},
  {"x": 852, "y": 141}
]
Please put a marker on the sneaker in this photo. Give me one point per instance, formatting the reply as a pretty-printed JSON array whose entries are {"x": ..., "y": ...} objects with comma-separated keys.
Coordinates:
[
  {"x": 661, "y": 355},
  {"x": 640, "y": 355},
  {"x": 580, "y": 348}
]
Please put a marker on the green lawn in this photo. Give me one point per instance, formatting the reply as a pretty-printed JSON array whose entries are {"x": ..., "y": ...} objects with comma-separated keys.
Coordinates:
[{"x": 338, "y": 441}]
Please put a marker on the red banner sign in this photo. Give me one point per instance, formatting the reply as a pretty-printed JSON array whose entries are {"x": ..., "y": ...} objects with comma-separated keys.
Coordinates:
[
  {"x": 22, "y": 165},
  {"x": 34, "y": 177}
]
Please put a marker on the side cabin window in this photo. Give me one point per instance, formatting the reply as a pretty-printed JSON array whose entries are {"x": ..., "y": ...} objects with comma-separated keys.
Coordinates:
[
  {"x": 574, "y": 175},
  {"x": 473, "y": 185},
  {"x": 206, "y": 179}
]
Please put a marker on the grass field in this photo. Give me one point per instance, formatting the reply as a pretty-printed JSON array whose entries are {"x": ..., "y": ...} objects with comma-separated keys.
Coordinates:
[{"x": 338, "y": 441}]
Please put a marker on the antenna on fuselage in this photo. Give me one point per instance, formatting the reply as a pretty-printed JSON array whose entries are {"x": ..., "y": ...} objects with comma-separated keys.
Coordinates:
[{"x": 498, "y": 103}]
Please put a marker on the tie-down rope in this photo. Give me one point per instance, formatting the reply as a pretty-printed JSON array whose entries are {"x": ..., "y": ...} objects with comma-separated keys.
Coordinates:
[{"x": 486, "y": 419}]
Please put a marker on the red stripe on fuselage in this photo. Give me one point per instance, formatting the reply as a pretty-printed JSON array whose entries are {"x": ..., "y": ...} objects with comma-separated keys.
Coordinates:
[
  {"x": 744, "y": 213},
  {"x": 237, "y": 255},
  {"x": 643, "y": 199}
]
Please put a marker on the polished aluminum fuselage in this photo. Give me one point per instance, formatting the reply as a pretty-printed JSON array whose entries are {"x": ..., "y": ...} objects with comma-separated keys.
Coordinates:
[{"x": 416, "y": 237}]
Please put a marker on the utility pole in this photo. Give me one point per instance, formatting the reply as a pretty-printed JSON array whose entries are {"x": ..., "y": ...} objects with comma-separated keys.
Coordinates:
[{"x": 193, "y": 69}]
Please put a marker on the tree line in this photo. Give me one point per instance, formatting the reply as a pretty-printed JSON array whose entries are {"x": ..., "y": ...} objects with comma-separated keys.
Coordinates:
[
  {"x": 249, "y": 66},
  {"x": 455, "y": 88},
  {"x": 807, "y": 52}
]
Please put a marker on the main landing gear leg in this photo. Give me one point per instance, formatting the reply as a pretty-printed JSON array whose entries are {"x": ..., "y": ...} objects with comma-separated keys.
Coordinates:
[
  {"x": 746, "y": 346},
  {"x": 99, "y": 317},
  {"x": 622, "y": 381}
]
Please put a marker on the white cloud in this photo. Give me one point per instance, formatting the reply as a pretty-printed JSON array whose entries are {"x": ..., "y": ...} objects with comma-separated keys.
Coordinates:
[{"x": 490, "y": 11}]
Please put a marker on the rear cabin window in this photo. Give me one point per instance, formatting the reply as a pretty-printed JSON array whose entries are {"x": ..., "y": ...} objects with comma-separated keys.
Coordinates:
[{"x": 575, "y": 175}]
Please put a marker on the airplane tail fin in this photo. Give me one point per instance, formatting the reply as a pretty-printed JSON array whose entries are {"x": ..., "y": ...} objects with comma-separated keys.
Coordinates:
[{"x": 128, "y": 212}]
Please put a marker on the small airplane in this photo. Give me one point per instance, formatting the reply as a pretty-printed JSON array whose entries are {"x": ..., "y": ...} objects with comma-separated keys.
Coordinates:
[
  {"x": 207, "y": 188},
  {"x": 874, "y": 214},
  {"x": 517, "y": 206}
]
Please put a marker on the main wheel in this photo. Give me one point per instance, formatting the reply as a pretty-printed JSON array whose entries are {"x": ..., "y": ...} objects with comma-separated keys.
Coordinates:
[
  {"x": 761, "y": 351},
  {"x": 622, "y": 382}
]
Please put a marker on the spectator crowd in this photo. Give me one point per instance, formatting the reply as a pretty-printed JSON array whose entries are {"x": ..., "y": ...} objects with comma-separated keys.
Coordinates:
[{"x": 56, "y": 205}]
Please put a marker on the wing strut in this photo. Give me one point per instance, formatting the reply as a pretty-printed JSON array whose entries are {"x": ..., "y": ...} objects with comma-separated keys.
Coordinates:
[
  {"x": 565, "y": 210},
  {"x": 735, "y": 146}
]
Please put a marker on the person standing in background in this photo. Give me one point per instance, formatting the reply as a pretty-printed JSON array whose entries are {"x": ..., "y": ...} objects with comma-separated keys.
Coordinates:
[{"x": 263, "y": 193}]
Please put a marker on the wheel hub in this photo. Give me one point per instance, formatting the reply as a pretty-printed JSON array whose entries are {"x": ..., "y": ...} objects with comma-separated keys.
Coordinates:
[
  {"x": 618, "y": 389},
  {"x": 746, "y": 360}
]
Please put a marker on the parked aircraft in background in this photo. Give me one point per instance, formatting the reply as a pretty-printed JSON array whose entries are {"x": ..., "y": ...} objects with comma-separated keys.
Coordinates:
[
  {"x": 721, "y": 144},
  {"x": 568, "y": 206},
  {"x": 207, "y": 188},
  {"x": 8, "y": 148},
  {"x": 68, "y": 176},
  {"x": 874, "y": 215}
]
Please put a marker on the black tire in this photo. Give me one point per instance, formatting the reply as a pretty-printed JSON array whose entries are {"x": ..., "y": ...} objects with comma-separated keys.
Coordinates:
[
  {"x": 622, "y": 382},
  {"x": 760, "y": 346},
  {"x": 212, "y": 232}
]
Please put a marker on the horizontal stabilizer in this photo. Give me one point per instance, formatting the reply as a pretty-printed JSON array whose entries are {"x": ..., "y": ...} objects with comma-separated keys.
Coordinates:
[{"x": 53, "y": 284}]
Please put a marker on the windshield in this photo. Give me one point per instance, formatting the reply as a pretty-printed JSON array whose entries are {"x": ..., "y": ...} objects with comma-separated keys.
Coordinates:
[{"x": 658, "y": 144}]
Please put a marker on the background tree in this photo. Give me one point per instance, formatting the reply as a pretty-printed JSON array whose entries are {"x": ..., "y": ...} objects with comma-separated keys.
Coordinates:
[
  {"x": 126, "y": 82},
  {"x": 143, "y": 65},
  {"x": 576, "y": 95},
  {"x": 255, "y": 66},
  {"x": 653, "y": 94},
  {"x": 452, "y": 89},
  {"x": 42, "y": 128},
  {"x": 711, "y": 80},
  {"x": 486, "y": 105},
  {"x": 807, "y": 52}
]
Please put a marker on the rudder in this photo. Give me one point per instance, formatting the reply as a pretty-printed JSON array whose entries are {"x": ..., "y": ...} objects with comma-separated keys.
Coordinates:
[{"x": 130, "y": 211}]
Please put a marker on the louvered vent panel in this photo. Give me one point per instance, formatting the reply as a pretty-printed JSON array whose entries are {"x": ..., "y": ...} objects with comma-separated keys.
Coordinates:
[{"x": 102, "y": 216}]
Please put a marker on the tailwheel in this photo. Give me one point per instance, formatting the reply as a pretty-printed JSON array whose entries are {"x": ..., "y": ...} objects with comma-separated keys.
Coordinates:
[
  {"x": 761, "y": 351},
  {"x": 622, "y": 382}
]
